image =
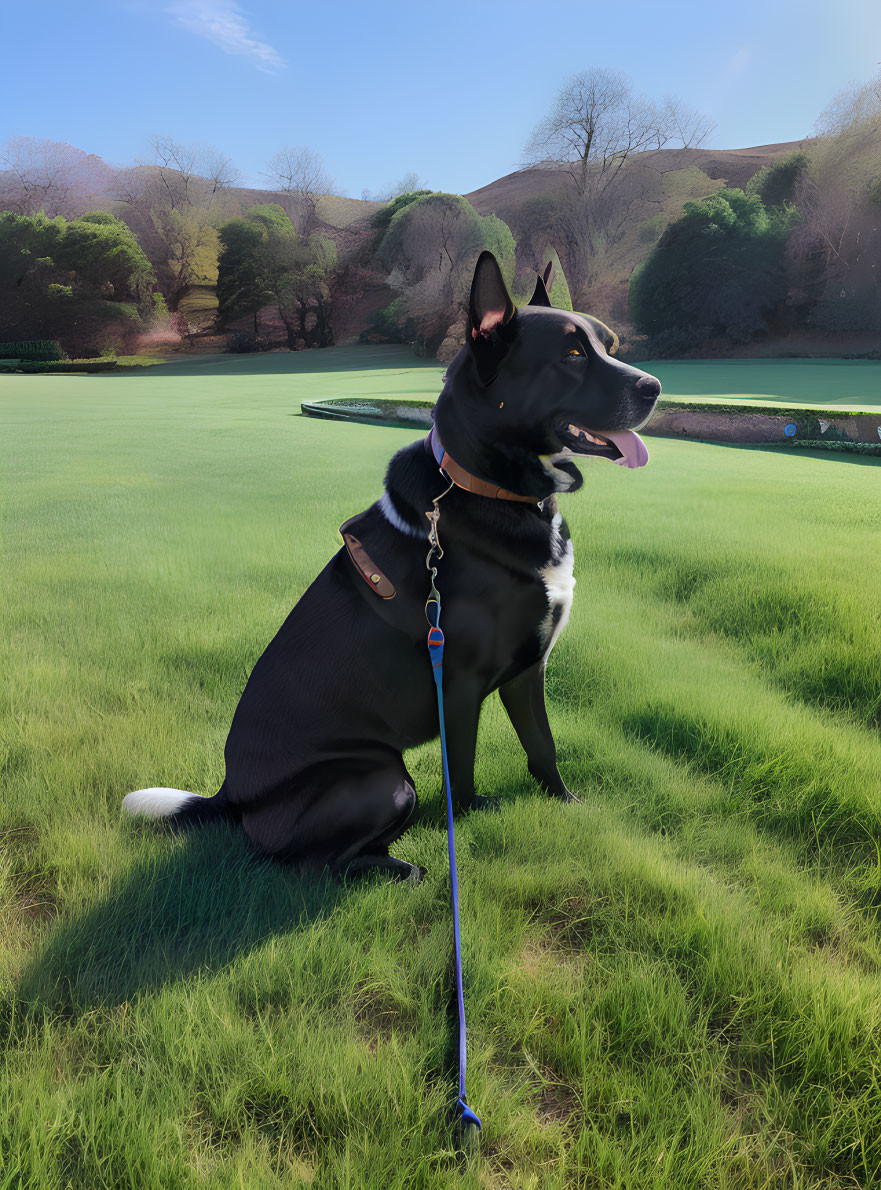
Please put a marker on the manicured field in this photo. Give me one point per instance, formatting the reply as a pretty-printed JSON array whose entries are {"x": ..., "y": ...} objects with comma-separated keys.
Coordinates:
[
  {"x": 676, "y": 984},
  {"x": 851, "y": 384},
  {"x": 819, "y": 383}
]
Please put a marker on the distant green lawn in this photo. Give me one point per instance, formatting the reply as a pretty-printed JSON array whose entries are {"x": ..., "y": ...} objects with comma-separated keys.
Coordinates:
[
  {"x": 677, "y": 984},
  {"x": 852, "y": 384}
]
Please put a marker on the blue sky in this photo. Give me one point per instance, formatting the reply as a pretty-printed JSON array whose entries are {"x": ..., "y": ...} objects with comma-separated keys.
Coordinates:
[{"x": 450, "y": 91}]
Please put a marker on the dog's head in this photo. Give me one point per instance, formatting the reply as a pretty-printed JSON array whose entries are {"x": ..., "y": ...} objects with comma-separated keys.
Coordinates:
[{"x": 534, "y": 388}]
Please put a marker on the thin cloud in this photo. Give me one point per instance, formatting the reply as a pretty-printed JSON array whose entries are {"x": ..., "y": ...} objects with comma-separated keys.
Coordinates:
[
  {"x": 739, "y": 62},
  {"x": 222, "y": 23}
]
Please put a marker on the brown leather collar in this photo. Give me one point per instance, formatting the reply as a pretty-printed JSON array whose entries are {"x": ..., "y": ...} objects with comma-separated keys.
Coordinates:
[{"x": 464, "y": 479}]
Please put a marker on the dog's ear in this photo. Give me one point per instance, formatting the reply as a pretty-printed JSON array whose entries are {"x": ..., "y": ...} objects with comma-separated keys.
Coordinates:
[
  {"x": 490, "y": 313},
  {"x": 540, "y": 295},
  {"x": 490, "y": 305}
]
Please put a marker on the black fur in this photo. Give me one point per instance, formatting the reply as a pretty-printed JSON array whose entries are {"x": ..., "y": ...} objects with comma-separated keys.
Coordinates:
[{"x": 314, "y": 766}]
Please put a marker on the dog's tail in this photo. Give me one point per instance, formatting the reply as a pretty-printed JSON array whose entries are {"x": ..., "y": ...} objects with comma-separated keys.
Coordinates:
[{"x": 176, "y": 807}]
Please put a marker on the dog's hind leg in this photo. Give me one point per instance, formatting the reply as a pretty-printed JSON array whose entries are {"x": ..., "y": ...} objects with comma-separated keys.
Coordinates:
[
  {"x": 366, "y": 854},
  {"x": 524, "y": 700},
  {"x": 347, "y": 827}
]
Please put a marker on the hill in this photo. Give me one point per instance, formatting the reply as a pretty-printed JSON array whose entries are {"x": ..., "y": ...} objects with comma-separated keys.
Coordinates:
[
  {"x": 733, "y": 167},
  {"x": 646, "y": 198}
]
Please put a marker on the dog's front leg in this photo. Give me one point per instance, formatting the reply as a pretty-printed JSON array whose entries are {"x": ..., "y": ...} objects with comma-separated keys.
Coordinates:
[
  {"x": 524, "y": 700},
  {"x": 461, "y": 715}
]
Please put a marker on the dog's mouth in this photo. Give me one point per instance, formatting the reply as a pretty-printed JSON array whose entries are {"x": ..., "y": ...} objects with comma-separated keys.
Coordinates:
[{"x": 620, "y": 446}]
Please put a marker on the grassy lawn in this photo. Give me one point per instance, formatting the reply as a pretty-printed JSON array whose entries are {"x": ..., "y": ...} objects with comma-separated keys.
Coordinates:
[
  {"x": 674, "y": 985},
  {"x": 852, "y": 384}
]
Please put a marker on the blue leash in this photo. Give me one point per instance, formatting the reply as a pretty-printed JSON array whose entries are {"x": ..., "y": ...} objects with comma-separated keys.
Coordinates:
[{"x": 467, "y": 1118}]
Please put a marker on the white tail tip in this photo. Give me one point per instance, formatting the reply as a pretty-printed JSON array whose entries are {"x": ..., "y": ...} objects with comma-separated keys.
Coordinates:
[{"x": 156, "y": 803}]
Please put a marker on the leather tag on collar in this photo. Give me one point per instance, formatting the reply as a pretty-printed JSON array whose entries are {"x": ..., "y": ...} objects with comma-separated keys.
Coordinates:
[{"x": 372, "y": 575}]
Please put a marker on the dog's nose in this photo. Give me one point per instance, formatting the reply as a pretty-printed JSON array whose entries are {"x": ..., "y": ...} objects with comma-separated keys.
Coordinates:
[{"x": 648, "y": 387}]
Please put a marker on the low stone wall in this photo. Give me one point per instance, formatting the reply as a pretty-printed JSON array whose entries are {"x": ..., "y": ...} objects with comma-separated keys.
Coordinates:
[
  {"x": 754, "y": 425},
  {"x": 387, "y": 412}
]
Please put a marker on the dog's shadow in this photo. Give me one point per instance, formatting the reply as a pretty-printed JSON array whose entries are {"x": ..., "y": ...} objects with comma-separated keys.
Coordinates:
[{"x": 190, "y": 906}]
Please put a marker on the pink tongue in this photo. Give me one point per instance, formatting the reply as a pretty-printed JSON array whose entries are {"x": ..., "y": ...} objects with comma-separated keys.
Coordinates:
[{"x": 633, "y": 449}]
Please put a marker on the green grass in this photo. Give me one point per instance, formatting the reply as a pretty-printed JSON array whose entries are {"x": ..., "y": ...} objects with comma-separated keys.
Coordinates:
[
  {"x": 139, "y": 360},
  {"x": 851, "y": 384},
  {"x": 677, "y": 984}
]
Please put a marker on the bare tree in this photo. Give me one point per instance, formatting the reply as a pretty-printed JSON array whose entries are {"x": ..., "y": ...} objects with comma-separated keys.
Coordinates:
[
  {"x": 594, "y": 131},
  {"x": 175, "y": 203},
  {"x": 192, "y": 175},
  {"x": 299, "y": 172},
  {"x": 50, "y": 176},
  {"x": 408, "y": 184},
  {"x": 597, "y": 122},
  {"x": 858, "y": 106},
  {"x": 835, "y": 249},
  {"x": 849, "y": 152},
  {"x": 824, "y": 232},
  {"x": 683, "y": 125}
]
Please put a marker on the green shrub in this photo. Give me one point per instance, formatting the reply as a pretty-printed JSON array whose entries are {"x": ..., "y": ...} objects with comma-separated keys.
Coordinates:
[
  {"x": 242, "y": 342},
  {"x": 428, "y": 254},
  {"x": 847, "y": 310},
  {"x": 103, "y": 250},
  {"x": 675, "y": 341},
  {"x": 69, "y": 281},
  {"x": 32, "y": 349},
  {"x": 384, "y": 215},
  {"x": 391, "y": 325},
  {"x": 651, "y": 230},
  {"x": 775, "y": 184},
  {"x": 719, "y": 266},
  {"x": 72, "y": 365},
  {"x": 265, "y": 262}
]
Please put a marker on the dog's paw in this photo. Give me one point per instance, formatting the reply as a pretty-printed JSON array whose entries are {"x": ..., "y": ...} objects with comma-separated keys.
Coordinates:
[
  {"x": 389, "y": 865},
  {"x": 566, "y": 795},
  {"x": 486, "y": 803},
  {"x": 407, "y": 873}
]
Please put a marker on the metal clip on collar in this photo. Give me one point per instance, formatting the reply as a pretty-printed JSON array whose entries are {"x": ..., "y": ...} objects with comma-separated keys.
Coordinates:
[{"x": 435, "y": 550}]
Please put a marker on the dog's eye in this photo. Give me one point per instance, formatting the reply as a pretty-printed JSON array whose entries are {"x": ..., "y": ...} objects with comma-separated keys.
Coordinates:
[{"x": 572, "y": 352}]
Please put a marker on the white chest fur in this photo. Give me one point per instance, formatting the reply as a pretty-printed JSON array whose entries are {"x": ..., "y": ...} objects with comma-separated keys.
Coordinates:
[{"x": 559, "y": 583}]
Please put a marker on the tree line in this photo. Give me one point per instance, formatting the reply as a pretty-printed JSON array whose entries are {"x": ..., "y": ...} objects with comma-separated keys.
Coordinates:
[
  {"x": 99, "y": 280},
  {"x": 798, "y": 246}
]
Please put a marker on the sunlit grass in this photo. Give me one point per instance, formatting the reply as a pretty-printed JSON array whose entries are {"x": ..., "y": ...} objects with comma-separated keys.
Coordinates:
[
  {"x": 677, "y": 984},
  {"x": 849, "y": 384},
  {"x": 139, "y": 360}
]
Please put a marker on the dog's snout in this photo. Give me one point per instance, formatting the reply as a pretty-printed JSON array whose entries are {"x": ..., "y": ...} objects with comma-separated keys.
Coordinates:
[{"x": 648, "y": 387}]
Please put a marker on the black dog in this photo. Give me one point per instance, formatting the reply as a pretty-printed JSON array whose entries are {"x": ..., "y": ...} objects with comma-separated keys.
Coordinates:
[{"x": 314, "y": 771}]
